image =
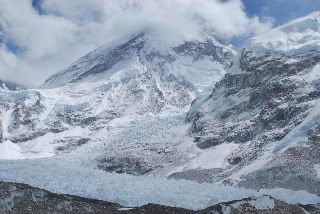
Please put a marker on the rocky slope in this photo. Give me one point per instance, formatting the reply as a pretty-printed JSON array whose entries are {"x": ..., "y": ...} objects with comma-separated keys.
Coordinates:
[
  {"x": 20, "y": 198},
  {"x": 268, "y": 106}
]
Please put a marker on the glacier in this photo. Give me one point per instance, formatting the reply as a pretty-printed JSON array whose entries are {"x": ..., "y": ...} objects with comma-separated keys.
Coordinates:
[{"x": 130, "y": 191}]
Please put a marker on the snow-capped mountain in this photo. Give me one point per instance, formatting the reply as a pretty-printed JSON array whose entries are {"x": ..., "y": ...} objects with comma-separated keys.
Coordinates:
[
  {"x": 194, "y": 64},
  {"x": 297, "y": 36},
  {"x": 125, "y": 108},
  {"x": 268, "y": 105},
  {"x": 112, "y": 88}
]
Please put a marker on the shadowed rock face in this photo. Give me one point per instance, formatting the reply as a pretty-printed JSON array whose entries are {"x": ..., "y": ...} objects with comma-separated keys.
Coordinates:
[
  {"x": 198, "y": 50},
  {"x": 10, "y": 86},
  {"x": 294, "y": 169},
  {"x": 264, "y": 102},
  {"x": 256, "y": 106},
  {"x": 20, "y": 198}
]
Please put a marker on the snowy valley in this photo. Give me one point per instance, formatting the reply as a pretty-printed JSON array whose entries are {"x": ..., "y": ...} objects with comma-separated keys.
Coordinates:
[{"x": 188, "y": 124}]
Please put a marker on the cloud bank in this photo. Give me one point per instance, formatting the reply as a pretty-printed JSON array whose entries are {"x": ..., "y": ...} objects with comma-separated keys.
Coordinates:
[{"x": 37, "y": 42}]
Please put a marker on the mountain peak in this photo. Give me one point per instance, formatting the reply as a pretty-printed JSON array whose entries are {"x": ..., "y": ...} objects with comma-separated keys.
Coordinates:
[
  {"x": 315, "y": 14},
  {"x": 294, "y": 37},
  {"x": 311, "y": 21},
  {"x": 149, "y": 50}
]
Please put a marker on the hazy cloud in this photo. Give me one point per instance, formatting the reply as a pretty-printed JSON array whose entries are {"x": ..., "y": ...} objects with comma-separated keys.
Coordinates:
[{"x": 65, "y": 30}]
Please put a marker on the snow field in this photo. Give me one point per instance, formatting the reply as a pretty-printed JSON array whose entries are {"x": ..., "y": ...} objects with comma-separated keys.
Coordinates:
[{"x": 68, "y": 178}]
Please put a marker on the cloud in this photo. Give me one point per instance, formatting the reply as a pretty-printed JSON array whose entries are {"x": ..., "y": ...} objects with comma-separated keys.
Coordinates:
[{"x": 65, "y": 30}]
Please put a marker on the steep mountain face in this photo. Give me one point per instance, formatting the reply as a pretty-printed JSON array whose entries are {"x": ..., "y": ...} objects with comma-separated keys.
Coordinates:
[
  {"x": 187, "y": 63},
  {"x": 103, "y": 99},
  {"x": 268, "y": 106}
]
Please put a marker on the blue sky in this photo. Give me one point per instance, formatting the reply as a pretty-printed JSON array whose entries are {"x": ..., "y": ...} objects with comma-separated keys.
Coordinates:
[{"x": 281, "y": 10}]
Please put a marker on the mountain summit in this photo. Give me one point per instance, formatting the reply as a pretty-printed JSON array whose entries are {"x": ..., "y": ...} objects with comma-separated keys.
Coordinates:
[
  {"x": 198, "y": 63},
  {"x": 297, "y": 36}
]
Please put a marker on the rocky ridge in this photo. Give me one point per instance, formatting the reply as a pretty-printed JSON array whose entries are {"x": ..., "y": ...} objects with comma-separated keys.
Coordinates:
[{"x": 267, "y": 105}]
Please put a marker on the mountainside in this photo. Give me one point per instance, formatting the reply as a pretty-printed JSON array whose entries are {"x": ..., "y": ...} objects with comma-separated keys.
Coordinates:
[
  {"x": 126, "y": 122},
  {"x": 104, "y": 101},
  {"x": 268, "y": 106},
  {"x": 196, "y": 64}
]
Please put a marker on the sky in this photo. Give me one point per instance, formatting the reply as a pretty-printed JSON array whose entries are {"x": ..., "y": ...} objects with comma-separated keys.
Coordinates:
[
  {"x": 281, "y": 11},
  {"x": 41, "y": 37}
]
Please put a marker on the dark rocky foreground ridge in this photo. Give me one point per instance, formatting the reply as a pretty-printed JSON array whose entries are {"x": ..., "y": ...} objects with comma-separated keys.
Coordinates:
[{"x": 21, "y": 198}]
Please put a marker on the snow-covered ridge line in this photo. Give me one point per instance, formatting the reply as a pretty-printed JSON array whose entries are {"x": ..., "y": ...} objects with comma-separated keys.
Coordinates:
[
  {"x": 295, "y": 37},
  {"x": 300, "y": 133},
  {"x": 154, "y": 54}
]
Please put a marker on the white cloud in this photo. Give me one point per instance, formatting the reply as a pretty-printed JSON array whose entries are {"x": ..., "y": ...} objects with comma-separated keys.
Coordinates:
[{"x": 69, "y": 29}]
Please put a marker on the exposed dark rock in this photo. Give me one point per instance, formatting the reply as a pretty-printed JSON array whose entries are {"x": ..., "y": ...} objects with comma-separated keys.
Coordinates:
[
  {"x": 71, "y": 144},
  {"x": 198, "y": 50},
  {"x": 20, "y": 198},
  {"x": 294, "y": 169},
  {"x": 204, "y": 143},
  {"x": 234, "y": 160},
  {"x": 138, "y": 159}
]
